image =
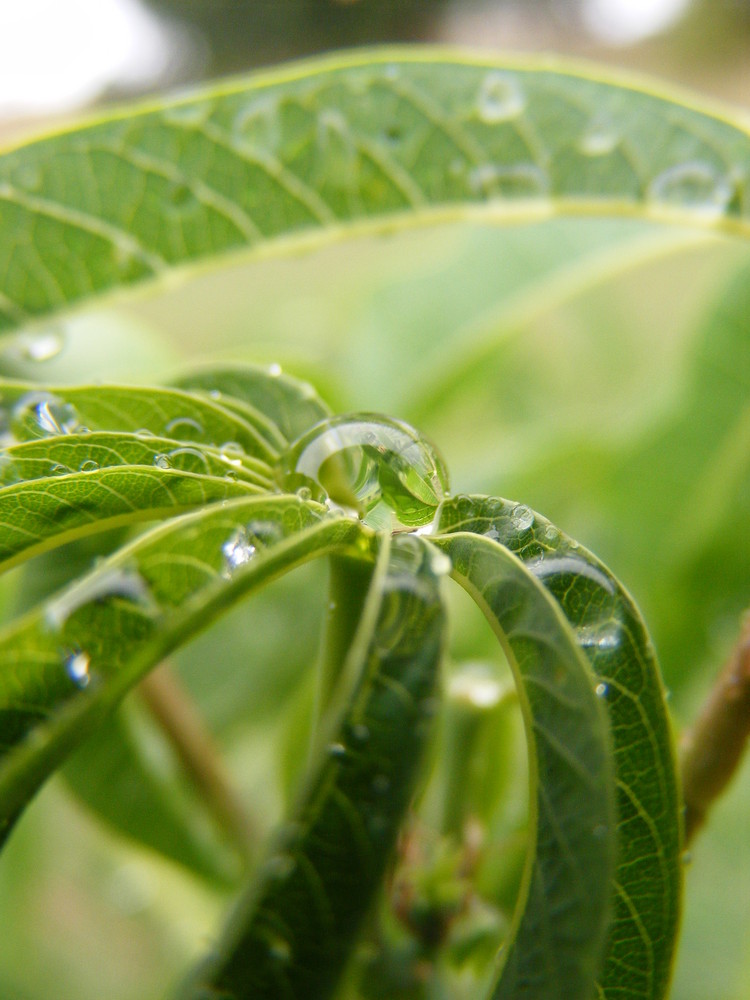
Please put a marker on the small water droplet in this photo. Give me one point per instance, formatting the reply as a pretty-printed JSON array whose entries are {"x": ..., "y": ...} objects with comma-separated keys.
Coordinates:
[
  {"x": 551, "y": 535},
  {"x": 522, "y": 517},
  {"x": 599, "y": 139},
  {"x": 304, "y": 493},
  {"x": 696, "y": 186},
  {"x": 237, "y": 550},
  {"x": 274, "y": 370},
  {"x": 88, "y": 466},
  {"x": 184, "y": 428},
  {"x": 492, "y": 533},
  {"x": 601, "y": 690},
  {"x": 379, "y": 467},
  {"x": 337, "y": 750},
  {"x": 56, "y": 469},
  {"x": 522, "y": 180},
  {"x": 77, "y": 666},
  {"x": 187, "y": 458},
  {"x": 162, "y": 461},
  {"x": 232, "y": 453},
  {"x": 500, "y": 98}
]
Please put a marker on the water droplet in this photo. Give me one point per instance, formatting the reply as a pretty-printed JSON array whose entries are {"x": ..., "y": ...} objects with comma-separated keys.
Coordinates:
[
  {"x": 475, "y": 684},
  {"x": 367, "y": 462},
  {"x": 162, "y": 461},
  {"x": 605, "y": 635},
  {"x": 337, "y": 750},
  {"x": 186, "y": 459},
  {"x": 601, "y": 690},
  {"x": 492, "y": 533},
  {"x": 42, "y": 346},
  {"x": 56, "y": 469},
  {"x": 237, "y": 550},
  {"x": 46, "y": 413},
  {"x": 184, "y": 428},
  {"x": 304, "y": 493},
  {"x": 522, "y": 517},
  {"x": 696, "y": 186},
  {"x": 77, "y": 666},
  {"x": 500, "y": 98},
  {"x": 144, "y": 432},
  {"x": 570, "y": 565},
  {"x": 522, "y": 180},
  {"x": 274, "y": 370},
  {"x": 381, "y": 784},
  {"x": 599, "y": 139},
  {"x": 390, "y": 72},
  {"x": 88, "y": 466},
  {"x": 232, "y": 454},
  {"x": 551, "y": 535},
  {"x": 103, "y": 584}
]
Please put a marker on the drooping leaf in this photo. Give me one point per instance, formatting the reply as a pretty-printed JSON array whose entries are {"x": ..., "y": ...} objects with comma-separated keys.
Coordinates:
[
  {"x": 70, "y": 661},
  {"x": 292, "y": 932},
  {"x": 609, "y": 629},
  {"x": 563, "y": 916},
  {"x": 381, "y": 139}
]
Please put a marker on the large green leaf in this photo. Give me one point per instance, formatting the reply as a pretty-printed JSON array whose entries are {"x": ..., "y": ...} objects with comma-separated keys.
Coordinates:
[
  {"x": 609, "y": 629},
  {"x": 564, "y": 913},
  {"x": 293, "y": 931},
  {"x": 379, "y": 139},
  {"x": 70, "y": 661}
]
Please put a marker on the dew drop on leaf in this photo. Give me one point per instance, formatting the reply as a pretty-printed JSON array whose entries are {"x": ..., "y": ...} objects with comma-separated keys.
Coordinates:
[
  {"x": 162, "y": 461},
  {"x": 601, "y": 690},
  {"x": 237, "y": 550},
  {"x": 697, "y": 186},
  {"x": 44, "y": 414},
  {"x": 500, "y": 98},
  {"x": 370, "y": 464},
  {"x": 108, "y": 582},
  {"x": 522, "y": 517},
  {"x": 184, "y": 428},
  {"x": 188, "y": 459},
  {"x": 77, "y": 666},
  {"x": 231, "y": 453},
  {"x": 88, "y": 466},
  {"x": 42, "y": 346}
]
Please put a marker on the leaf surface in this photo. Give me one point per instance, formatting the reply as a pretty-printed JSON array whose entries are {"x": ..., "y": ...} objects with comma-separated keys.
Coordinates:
[
  {"x": 292, "y": 933},
  {"x": 378, "y": 140},
  {"x": 563, "y": 915},
  {"x": 610, "y": 631}
]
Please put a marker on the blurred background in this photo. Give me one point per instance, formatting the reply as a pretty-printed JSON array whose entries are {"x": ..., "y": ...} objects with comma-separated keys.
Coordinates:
[{"x": 598, "y": 369}]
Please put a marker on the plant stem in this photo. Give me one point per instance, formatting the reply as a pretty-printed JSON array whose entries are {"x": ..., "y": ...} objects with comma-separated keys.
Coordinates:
[
  {"x": 175, "y": 713},
  {"x": 712, "y": 748}
]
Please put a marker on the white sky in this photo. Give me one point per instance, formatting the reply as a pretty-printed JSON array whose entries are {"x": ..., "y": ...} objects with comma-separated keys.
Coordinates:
[{"x": 58, "y": 54}]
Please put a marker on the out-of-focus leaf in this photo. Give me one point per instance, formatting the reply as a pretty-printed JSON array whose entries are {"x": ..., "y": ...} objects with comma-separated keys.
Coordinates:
[{"x": 382, "y": 139}]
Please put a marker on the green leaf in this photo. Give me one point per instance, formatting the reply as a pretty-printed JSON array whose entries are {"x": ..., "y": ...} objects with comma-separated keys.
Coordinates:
[
  {"x": 294, "y": 929},
  {"x": 71, "y": 660},
  {"x": 609, "y": 629},
  {"x": 376, "y": 140},
  {"x": 563, "y": 916}
]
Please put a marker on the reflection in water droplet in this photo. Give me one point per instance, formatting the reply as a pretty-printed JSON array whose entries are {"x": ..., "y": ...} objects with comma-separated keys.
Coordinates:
[
  {"x": 231, "y": 453},
  {"x": 601, "y": 690},
  {"x": 105, "y": 583},
  {"x": 49, "y": 414},
  {"x": 337, "y": 750},
  {"x": 370, "y": 463},
  {"x": 697, "y": 186},
  {"x": 237, "y": 550},
  {"x": 162, "y": 461},
  {"x": 475, "y": 684},
  {"x": 77, "y": 668},
  {"x": 500, "y": 98},
  {"x": 182, "y": 427},
  {"x": 522, "y": 517},
  {"x": 603, "y": 636}
]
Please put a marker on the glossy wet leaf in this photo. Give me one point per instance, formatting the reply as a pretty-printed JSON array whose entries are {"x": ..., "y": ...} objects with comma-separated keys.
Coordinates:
[
  {"x": 70, "y": 661},
  {"x": 378, "y": 139},
  {"x": 292, "y": 933},
  {"x": 610, "y": 631},
  {"x": 563, "y": 918}
]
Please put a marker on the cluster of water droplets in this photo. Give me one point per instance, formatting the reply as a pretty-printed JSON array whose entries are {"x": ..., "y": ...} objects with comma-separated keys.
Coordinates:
[{"x": 369, "y": 466}]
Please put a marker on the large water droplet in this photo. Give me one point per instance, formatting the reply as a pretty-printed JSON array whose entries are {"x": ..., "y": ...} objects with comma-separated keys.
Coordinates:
[
  {"x": 599, "y": 139},
  {"x": 188, "y": 459},
  {"x": 371, "y": 464},
  {"x": 696, "y": 186},
  {"x": 500, "y": 98},
  {"x": 45, "y": 413},
  {"x": 77, "y": 666},
  {"x": 522, "y": 517}
]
